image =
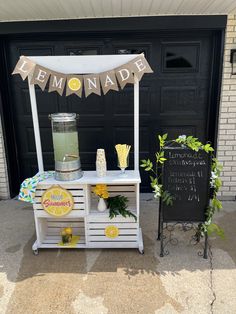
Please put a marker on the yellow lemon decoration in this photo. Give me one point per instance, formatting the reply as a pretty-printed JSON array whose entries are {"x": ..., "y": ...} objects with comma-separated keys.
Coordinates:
[
  {"x": 74, "y": 84},
  {"x": 111, "y": 232},
  {"x": 57, "y": 201}
]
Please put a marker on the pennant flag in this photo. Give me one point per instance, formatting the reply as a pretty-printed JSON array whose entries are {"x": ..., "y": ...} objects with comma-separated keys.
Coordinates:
[
  {"x": 57, "y": 82},
  {"x": 23, "y": 67},
  {"x": 124, "y": 75},
  {"x": 40, "y": 76},
  {"x": 108, "y": 81},
  {"x": 139, "y": 66},
  {"x": 74, "y": 85},
  {"x": 92, "y": 84}
]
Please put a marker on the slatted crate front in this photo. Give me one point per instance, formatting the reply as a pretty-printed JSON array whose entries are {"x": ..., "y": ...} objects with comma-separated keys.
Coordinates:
[
  {"x": 127, "y": 190},
  {"x": 78, "y": 192},
  {"x": 49, "y": 231},
  {"x": 97, "y": 224}
]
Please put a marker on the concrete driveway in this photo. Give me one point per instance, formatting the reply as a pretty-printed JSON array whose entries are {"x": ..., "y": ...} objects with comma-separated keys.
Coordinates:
[{"x": 115, "y": 281}]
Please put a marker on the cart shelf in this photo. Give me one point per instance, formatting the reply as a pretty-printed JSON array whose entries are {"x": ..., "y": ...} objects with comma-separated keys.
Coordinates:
[
  {"x": 72, "y": 214},
  {"x": 53, "y": 242}
]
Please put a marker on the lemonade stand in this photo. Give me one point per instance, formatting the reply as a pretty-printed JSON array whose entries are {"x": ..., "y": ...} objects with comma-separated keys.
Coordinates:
[{"x": 64, "y": 201}]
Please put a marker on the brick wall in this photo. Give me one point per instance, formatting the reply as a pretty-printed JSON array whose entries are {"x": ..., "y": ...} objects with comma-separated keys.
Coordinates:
[
  {"x": 227, "y": 120},
  {"x": 4, "y": 188}
]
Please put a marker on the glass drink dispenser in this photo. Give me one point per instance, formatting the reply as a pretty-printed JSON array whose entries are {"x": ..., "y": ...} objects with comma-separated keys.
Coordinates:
[{"x": 66, "y": 146}]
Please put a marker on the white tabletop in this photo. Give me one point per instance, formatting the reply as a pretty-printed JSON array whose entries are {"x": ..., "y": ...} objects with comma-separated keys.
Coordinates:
[{"x": 90, "y": 177}]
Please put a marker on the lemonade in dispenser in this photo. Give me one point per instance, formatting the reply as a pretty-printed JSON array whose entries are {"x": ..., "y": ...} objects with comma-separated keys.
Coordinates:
[{"x": 66, "y": 146}]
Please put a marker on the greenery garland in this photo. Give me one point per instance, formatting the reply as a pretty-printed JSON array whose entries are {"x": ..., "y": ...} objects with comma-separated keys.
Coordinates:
[{"x": 215, "y": 182}]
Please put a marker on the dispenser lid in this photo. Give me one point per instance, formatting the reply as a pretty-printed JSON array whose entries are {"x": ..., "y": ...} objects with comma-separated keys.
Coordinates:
[{"x": 63, "y": 117}]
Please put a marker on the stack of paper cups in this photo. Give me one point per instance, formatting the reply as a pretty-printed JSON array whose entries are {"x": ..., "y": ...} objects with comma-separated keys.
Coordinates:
[{"x": 101, "y": 164}]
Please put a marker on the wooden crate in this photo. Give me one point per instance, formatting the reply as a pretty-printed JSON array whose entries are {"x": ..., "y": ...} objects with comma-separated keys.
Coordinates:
[
  {"x": 97, "y": 223},
  {"x": 48, "y": 231},
  {"x": 128, "y": 190},
  {"x": 77, "y": 191}
]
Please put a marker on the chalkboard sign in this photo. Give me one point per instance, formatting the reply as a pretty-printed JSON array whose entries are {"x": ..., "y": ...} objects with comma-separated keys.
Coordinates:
[{"x": 186, "y": 176}]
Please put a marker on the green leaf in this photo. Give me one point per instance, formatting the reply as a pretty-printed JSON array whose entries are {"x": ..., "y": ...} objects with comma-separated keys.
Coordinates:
[
  {"x": 208, "y": 148},
  {"x": 216, "y": 203},
  {"x": 165, "y": 136},
  {"x": 153, "y": 181},
  {"x": 218, "y": 183},
  {"x": 143, "y": 165},
  {"x": 163, "y": 159}
]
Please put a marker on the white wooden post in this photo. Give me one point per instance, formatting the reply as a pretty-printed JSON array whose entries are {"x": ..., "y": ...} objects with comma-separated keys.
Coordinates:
[
  {"x": 36, "y": 126},
  {"x": 136, "y": 123}
]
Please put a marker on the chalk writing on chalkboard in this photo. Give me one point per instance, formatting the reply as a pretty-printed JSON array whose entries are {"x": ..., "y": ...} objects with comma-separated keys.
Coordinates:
[{"x": 186, "y": 177}]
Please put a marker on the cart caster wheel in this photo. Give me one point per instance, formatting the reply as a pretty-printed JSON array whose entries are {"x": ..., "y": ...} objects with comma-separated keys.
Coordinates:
[
  {"x": 36, "y": 252},
  {"x": 141, "y": 252}
]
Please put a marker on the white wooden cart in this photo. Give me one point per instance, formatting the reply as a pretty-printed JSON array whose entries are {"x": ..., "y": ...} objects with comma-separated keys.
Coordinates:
[{"x": 85, "y": 220}]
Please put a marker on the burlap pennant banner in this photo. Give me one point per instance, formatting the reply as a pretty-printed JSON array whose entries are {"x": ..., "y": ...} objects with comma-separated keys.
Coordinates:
[
  {"x": 140, "y": 66},
  {"x": 40, "y": 76},
  {"x": 24, "y": 67},
  {"x": 108, "y": 81},
  {"x": 124, "y": 75},
  {"x": 74, "y": 85},
  {"x": 57, "y": 82},
  {"x": 92, "y": 83}
]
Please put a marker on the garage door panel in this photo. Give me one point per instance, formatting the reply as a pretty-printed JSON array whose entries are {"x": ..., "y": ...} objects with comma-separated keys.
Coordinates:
[
  {"x": 180, "y": 100},
  {"x": 180, "y": 57},
  {"x": 195, "y": 129},
  {"x": 18, "y": 48},
  {"x": 92, "y": 105},
  {"x": 48, "y": 101},
  {"x": 123, "y": 101},
  {"x": 71, "y": 48},
  {"x": 123, "y": 134},
  {"x": 91, "y": 138},
  {"x": 46, "y": 139}
]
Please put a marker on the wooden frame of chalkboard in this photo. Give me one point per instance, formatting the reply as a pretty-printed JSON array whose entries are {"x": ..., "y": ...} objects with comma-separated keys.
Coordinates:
[{"x": 186, "y": 176}]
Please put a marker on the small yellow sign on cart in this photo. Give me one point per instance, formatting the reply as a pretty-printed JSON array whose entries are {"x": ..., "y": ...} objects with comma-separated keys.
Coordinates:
[
  {"x": 57, "y": 201},
  {"x": 111, "y": 232}
]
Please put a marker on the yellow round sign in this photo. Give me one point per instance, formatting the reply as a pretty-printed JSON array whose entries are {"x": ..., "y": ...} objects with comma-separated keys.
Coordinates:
[
  {"x": 74, "y": 84},
  {"x": 111, "y": 232},
  {"x": 57, "y": 201}
]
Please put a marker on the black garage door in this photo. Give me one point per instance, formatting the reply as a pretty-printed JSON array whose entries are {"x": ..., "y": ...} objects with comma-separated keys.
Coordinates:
[{"x": 175, "y": 99}]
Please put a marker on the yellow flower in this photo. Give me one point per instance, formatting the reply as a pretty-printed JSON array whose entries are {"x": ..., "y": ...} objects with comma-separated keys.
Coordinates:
[
  {"x": 105, "y": 194},
  {"x": 101, "y": 190}
]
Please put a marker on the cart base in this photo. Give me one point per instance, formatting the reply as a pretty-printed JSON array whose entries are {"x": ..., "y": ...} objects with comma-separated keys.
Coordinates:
[{"x": 139, "y": 245}]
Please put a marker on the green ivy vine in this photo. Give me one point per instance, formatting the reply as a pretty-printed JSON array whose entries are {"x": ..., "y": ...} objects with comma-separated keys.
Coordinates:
[{"x": 215, "y": 183}]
